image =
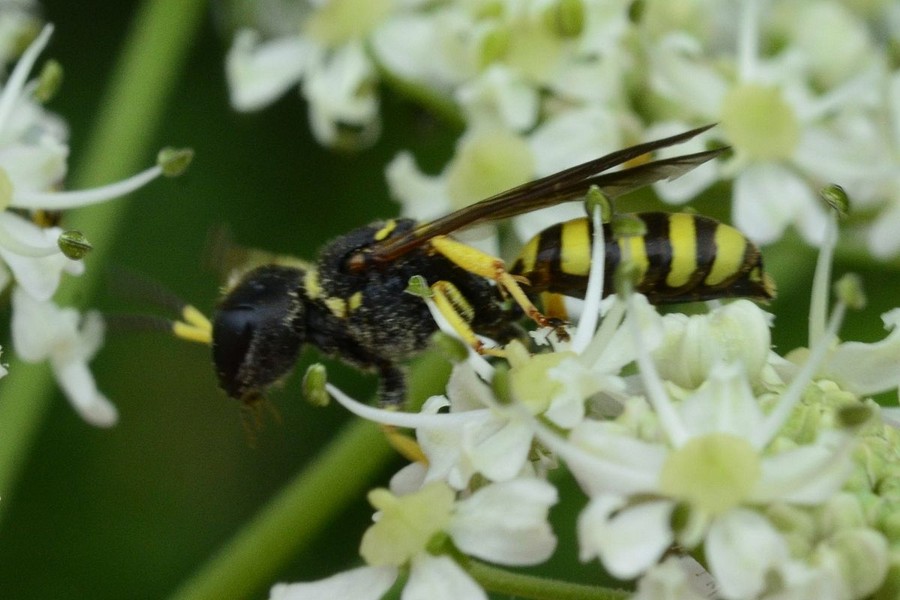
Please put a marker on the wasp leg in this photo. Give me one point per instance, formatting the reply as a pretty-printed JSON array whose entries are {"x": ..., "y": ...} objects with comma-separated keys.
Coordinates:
[
  {"x": 483, "y": 264},
  {"x": 391, "y": 385},
  {"x": 405, "y": 445},
  {"x": 554, "y": 306},
  {"x": 392, "y": 395},
  {"x": 454, "y": 307}
]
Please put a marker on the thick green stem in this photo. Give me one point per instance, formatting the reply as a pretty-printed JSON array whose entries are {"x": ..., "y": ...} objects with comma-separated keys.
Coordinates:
[
  {"x": 292, "y": 520},
  {"x": 129, "y": 114}
]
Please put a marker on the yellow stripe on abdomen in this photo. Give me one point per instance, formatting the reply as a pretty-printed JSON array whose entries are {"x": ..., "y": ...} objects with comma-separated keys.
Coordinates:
[
  {"x": 527, "y": 259},
  {"x": 575, "y": 248},
  {"x": 683, "y": 240},
  {"x": 730, "y": 248},
  {"x": 633, "y": 249}
]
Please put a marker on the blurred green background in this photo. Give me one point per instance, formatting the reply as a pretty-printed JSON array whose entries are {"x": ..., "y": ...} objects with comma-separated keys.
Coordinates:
[{"x": 133, "y": 511}]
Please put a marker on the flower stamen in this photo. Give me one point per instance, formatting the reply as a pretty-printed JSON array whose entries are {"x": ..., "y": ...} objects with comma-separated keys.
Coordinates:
[
  {"x": 594, "y": 293},
  {"x": 399, "y": 418},
  {"x": 16, "y": 82},
  {"x": 656, "y": 393}
]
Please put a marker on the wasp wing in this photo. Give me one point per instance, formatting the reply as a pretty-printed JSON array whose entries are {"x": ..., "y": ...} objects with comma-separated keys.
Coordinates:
[{"x": 566, "y": 185}]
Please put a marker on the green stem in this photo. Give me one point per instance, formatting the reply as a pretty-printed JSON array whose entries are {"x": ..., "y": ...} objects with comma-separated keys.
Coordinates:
[
  {"x": 507, "y": 583},
  {"x": 293, "y": 519},
  {"x": 130, "y": 112}
]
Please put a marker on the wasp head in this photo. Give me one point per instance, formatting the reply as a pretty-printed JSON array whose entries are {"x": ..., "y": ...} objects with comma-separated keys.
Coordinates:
[{"x": 258, "y": 330}]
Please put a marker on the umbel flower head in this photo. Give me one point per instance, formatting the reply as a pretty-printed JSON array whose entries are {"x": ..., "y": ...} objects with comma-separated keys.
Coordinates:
[
  {"x": 686, "y": 435},
  {"x": 805, "y": 92},
  {"x": 33, "y": 256}
]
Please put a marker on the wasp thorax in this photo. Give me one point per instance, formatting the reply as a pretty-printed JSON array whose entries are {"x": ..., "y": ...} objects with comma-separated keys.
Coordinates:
[{"x": 258, "y": 330}]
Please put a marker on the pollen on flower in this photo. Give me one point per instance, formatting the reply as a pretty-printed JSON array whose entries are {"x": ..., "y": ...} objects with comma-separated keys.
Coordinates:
[
  {"x": 759, "y": 122},
  {"x": 406, "y": 523},
  {"x": 714, "y": 472},
  {"x": 340, "y": 21}
]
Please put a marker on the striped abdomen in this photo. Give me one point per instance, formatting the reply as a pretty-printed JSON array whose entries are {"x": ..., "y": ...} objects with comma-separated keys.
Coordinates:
[{"x": 682, "y": 258}]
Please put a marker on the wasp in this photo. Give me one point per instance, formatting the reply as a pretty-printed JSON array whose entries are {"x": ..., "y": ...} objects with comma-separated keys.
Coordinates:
[{"x": 350, "y": 302}]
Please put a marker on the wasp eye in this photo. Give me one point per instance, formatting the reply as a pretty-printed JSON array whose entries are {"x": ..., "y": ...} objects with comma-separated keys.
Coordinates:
[{"x": 258, "y": 330}]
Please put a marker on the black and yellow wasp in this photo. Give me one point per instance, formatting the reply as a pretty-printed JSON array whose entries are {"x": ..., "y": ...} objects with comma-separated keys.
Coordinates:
[{"x": 351, "y": 302}]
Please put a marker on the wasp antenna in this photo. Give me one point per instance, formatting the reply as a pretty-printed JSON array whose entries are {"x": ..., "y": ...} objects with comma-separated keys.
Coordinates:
[
  {"x": 194, "y": 327},
  {"x": 199, "y": 330},
  {"x": 191, "y": 325},
  {"x": 130, "y": 323},
  {"x": 139, "y": 288}
]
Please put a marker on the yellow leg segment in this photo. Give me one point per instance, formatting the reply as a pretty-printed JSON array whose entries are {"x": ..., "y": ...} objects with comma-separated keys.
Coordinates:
[
  {"x": 406, "y": 446},
  {"x": 454, "y": 307},
  {"x": 554, "y": 306},
  {"x": 483, "y": 264}
]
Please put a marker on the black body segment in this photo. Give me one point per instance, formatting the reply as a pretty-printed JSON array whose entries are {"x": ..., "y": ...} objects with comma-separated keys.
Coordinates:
[{"x": 365, "y": 319}]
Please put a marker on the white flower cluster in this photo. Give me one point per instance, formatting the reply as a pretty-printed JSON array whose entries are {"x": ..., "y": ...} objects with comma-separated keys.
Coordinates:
[
  {"x": 33, "y": 155},
  {"x": 807, "y": 93},
  {"x": 702, "y": 454},
  {"x": 703, "y": 457}
]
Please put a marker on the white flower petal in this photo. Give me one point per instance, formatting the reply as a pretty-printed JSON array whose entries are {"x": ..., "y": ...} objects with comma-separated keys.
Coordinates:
[
  {"x": 363, "y": 583},
  {"x": 808, "y": 474},
  {"x": 506, "y": 523},
  {"x": 467, "y": 391},
  {"x": 742, "y": 548},
  {"x": 38, "y": 325},
  {"x": 41, "y": 331},
  {"x": 606, "y": 461},
  {"x": 424, "y": 48},
  {"x": 628, "y": 542},
  {"x": 259, "y": 72},
  {"x": 408, "y": 480},
  {"x": 340, "y": 92},
  {"x": 442, "y": 447},
  {"x": 575, "y": 136},
  {"x": 737, "y": 332},
  {"x": 498, "y": 96},
  {"x": 40, "y": 276},
  {"x": 852, "y": 153},
  {"x": 681, "y": 73},
  {"x": 77, "y": 382},
  {"x": 440, "y": 578},
  {"x": 38, "y": 165},
  {"x": 423, "y": 197},
  {"x": 882, "y": 238},
  {"x": 496, "y": 444},
  {"x": 768, "y": 198},
  {"x": 725, "y": 404},
  {"x": 891, "y": 416},
  {"x": 868, "y": 368},
  {"x": 498, "y": 448},
  {"x": 672, "y": 580}
]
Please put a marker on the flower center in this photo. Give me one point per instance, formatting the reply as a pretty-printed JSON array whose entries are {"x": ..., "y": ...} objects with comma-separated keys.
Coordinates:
[
  {"x": 487, "y": 163},
  {"x": 759, "y": 122},
  {"x": 713, "y": 472},
  {"x": 406, "y": 523},
  {"x": 340, "y": 21}
]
